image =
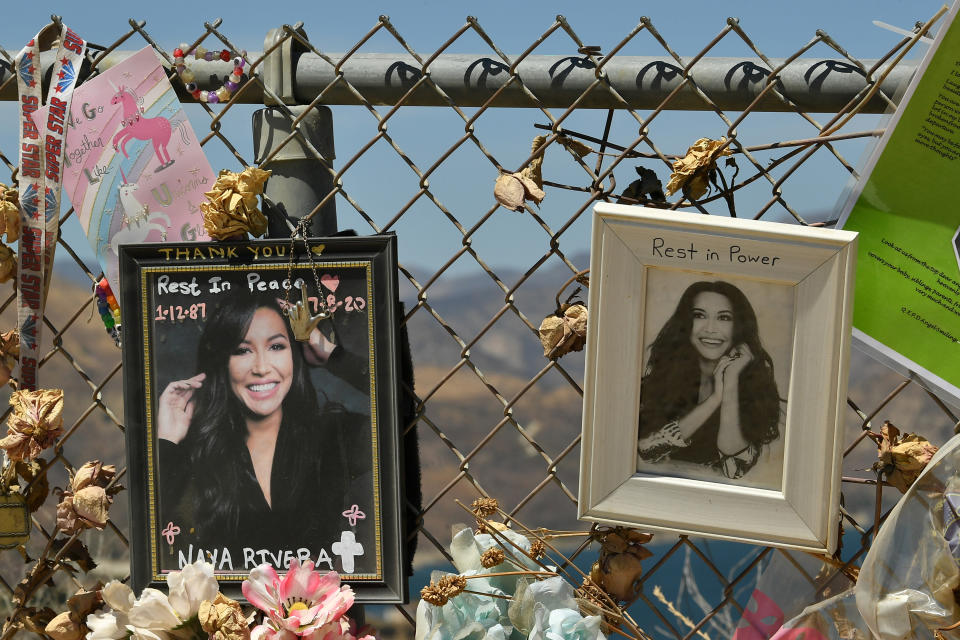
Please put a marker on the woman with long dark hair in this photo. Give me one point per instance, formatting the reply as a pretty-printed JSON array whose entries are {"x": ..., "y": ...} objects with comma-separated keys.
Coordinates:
[
  {"x": 248, "y": 456},
  {"x": 708, "y": 393}
]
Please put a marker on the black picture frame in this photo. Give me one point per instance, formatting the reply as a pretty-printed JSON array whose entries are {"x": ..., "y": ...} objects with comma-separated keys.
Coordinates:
[{"x": 168, "y": 294}]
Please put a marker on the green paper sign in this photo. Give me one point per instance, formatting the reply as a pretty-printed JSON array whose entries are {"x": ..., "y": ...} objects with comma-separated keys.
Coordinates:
[{"x": 905, "y": 207}]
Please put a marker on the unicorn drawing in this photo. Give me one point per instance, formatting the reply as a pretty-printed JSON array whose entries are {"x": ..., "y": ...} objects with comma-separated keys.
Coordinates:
[
  {"x": 136, "y": 125},
  {"x": 137, "y": 218}
]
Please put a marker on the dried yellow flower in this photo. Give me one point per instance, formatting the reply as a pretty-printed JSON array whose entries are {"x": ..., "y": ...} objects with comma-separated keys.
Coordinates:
[
  {"x": 232, "y": 208},
  {"x": 492, "y": 557},
  {"x": 223, "y": 619},
  {"x": 692, "y": 172},
  {"x": 35, "y": 424},
  {"x": 901, "y": 458},
  {"x": 8, "y": 263},
  {"x": 538, "y": 549},
  {"x": 485, "y": 507},
  {"x": 9, "y": 212},
  {"x": 445, "y": 588},
  {"x": 559, "y": 335}
]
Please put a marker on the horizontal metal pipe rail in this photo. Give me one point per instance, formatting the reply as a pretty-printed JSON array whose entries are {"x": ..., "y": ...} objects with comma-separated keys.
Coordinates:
[{"x": 813, "y": 84}]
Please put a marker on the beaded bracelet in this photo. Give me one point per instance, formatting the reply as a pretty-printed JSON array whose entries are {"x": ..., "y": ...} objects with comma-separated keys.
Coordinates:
[
  {"x": 108, "y": 309},
  {"x": 229, "y": 86}
]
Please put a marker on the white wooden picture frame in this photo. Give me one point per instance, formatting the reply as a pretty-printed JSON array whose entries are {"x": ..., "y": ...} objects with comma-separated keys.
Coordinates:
[{"x": 799, "y": 282}]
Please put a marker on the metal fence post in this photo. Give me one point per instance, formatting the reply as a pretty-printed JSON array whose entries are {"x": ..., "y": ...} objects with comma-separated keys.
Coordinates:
[{"x": 300, "y": 180}]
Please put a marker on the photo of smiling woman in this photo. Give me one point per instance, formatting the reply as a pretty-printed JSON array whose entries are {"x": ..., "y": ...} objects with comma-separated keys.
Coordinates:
[
  {"x": 710, "y": 401},
  {"x": 251, "y": 457}
]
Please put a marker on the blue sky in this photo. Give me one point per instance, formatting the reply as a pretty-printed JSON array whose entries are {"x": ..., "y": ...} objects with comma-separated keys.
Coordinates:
[{"x": 464, "y": 185}]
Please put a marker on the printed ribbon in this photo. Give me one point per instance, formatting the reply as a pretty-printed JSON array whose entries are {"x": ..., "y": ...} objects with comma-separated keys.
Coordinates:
[{"x": 41, "y": 160}]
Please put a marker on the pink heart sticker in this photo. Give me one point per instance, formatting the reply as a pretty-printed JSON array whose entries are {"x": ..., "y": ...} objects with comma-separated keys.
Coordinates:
[{"x": 330, "y": 281}]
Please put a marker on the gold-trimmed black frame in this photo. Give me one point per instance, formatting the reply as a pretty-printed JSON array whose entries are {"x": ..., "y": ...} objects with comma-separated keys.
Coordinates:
[{"x": 375, "y": 257}]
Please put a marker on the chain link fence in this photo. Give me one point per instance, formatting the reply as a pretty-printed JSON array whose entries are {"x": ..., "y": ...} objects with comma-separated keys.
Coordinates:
[{"x": 418, "y": 153}]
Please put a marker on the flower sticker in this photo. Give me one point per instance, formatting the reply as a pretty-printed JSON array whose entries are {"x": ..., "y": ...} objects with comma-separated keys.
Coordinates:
[{"x": 353, "y": 514}]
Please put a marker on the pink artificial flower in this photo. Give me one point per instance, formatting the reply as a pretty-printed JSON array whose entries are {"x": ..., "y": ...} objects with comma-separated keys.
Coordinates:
[{"x": 302, "y": 603}]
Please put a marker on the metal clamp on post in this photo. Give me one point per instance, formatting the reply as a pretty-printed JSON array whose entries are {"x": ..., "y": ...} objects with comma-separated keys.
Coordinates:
[
  {"x": 302, "y": 166},
  {"x": 279, "y": 65}
]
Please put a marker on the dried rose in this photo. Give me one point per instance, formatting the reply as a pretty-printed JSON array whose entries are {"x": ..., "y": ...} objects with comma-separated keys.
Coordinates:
[
  {"x": 87, "y": 503},
  {"x": 692, "y": 172},
  {"x": 619, "y": 566},
  {"x": 9, "y": 353},
  {"x": 511, "y": 189},
  {"x": 901, "y": 458},
  {"x": 93, "y": 473},
  {"x": 560, "y": 335},
  {"x": 9, "y": 212},
  {"x": 232, "y": 208},
  {"x": 35, "y": 423},
  {"x": 8, "y": 263},
  {"x": 223, "y": 619}
]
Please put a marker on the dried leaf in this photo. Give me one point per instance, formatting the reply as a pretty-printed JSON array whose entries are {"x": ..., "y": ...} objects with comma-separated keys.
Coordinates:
[
  {"x": 40, "y": 573},
  {"x": 84, "y": 602},
  {"x": 511, "y": 189},
  {"x": 575, "y": 147},
  {"x": 36, "y": 620},
  {"x": 647, "y": 188},
  {"x": 232, "y": 208},
  {"x": 559, "y": 335},
  {"x": 77, "y": 552},
  {"x": 9, "y": 212},
  {"x": 32, "y": 472},
  {"x": 35, "y": 424},
  {"x": 533, "y": 170},
  {"x": 901, "y": 458},
  {"x": 8, "y": 263},
  {"x": 65, "y": 626},
  {"x": 9, "y": 353},
  {"x": 692, "y": 172}
]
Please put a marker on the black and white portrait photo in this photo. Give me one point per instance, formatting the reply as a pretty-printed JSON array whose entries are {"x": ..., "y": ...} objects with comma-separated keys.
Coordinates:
[{"x": 714, "y": 379}]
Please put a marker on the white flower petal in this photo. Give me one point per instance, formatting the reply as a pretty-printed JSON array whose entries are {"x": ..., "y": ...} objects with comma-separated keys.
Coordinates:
[
  {"x": 190, "y": 586},
  {"x": 118, "y": 596},
  {"x": 104, "y": 626},
  {"x": 153, "y": 612}
]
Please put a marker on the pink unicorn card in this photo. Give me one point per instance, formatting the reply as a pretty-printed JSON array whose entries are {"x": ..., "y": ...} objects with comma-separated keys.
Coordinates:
[{"x": 133, "y": 168}]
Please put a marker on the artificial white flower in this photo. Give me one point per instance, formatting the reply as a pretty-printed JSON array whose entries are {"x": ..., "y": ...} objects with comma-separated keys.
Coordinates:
[
  {"x": 106, "y": 626},
  {"x": 118, "y": 596},
  {"x": 190, "y": 586},
  {"x": 152, "y": 615}
]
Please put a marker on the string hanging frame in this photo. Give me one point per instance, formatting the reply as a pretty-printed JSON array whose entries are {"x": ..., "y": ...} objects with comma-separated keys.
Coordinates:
[{"x": 302, "y": 321}]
